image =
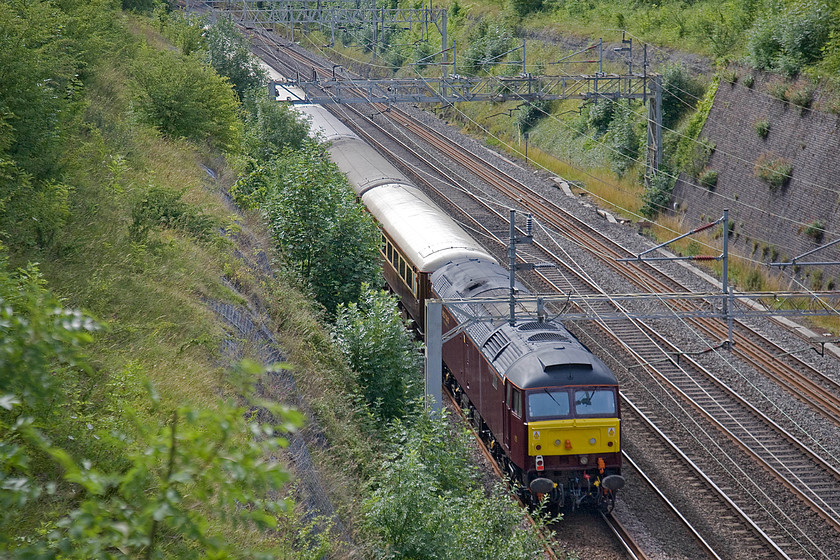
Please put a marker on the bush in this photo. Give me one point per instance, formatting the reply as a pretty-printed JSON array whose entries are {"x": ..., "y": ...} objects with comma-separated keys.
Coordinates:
[
  {"x": 270, "y": 127},
  {"x": 785, "y": 40},
  {"x": 426, "y": 504},
  {"x": 185, "y": 98},
  {"x": 329, "y": 239},
  {"x": 708, "y": 179},
  {"x": 623, "y": 138},
  {"x": 163, "y": 207},
  {"x": 486, "y": 46},
  {"x": 801, "y": 96},
  {"x": 600, "y": 115},
  {"x": 229, "y": 52},
  {"x": 762, "y": 128},
  {"x": 680, "y": 94},
  {"x": 376, "y": 343},
  {"x": 773, "y": 170},
  {"x": 657, "y": 195},
  {"x": 816, "y": 231},
  {"x": 531, "y": 114}
]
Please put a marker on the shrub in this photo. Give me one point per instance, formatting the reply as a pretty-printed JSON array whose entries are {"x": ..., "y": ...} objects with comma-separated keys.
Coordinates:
[
  {"x": 816, "y": 280},
  {"x": 229, "y": 52},
  {"x": 680, "y": 94},
  {"x": 657, "y": 195},
  {"x": 600, "y": 115},
  {"x": 786, "y": 40},
  {"x": 762, "y": 127},
  {"x": 487, "y": 44},
  {"x": 748, "y": 80},
  {"x": 183, "y": 97},
  {"x": 778, "y": 89},
  {"x": 163, "y": 207},
  {"x": 373, "y": 337},
  {"x": 708, "y": 179},
  {"x": 531, "y": 114},
  {"x": 754, "y": 281},
  {"x": 815, "y": 230},
  {"x": 623, "y": 138},
  {"x": 801, "y": 96},
  {"x": 325, "y": 235},
  {"x": 773, "y": 170}
]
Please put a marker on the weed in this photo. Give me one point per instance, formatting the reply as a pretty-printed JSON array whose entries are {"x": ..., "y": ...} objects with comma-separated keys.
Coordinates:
[
  {"x": 748, "y": 80},
  {"x": 773, "y": 170},
  {"x": 815, "y": 230},
  {"x": 762, "y": 128},
  {"x": 708, "y": 179}
]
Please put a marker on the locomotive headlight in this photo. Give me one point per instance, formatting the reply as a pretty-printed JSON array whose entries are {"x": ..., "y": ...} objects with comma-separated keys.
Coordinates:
[{"x": 584, "y": 460}]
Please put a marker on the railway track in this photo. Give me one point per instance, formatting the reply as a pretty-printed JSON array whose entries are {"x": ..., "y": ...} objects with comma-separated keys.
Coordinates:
[
  {"x": 657, "y": 281},
  {"x": 794, "y": 469}
]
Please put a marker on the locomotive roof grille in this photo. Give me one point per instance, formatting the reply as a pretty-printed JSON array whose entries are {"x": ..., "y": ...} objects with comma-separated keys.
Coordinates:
[
  {"x": 557, "y": 368},
  {"x": 533, "y": 326},
  {"x": 547, "y": 337}
]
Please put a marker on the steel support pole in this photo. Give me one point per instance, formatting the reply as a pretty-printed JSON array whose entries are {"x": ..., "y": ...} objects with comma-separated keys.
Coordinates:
[{"x": 434, "y": 355}]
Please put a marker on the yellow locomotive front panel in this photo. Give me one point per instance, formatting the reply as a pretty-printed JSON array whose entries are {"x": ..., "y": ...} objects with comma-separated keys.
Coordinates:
[{"x": 575, "y": 436}]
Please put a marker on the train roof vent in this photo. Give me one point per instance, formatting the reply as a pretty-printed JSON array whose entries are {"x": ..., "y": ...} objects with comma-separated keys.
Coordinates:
[
  {"x": 547, "y": 337},
  {"x": 533, "y": 326},
  {"x": 496, "y": 344},
  {"x": 476, "y": 285},
  {"x": 557, "y": 368}
]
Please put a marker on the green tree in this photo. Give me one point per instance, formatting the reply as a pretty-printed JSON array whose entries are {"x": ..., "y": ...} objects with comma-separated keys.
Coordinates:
[
  {"x": 185, "y": 98},
  {"x": 426, "y": 503},
  {"x": 270, "y": 127},
  {"x": 376, "y": 343},
  {"x": 314, "y": 218},
  {"x": 787, "y": 38},
  {"x": 230, "y": 54}
]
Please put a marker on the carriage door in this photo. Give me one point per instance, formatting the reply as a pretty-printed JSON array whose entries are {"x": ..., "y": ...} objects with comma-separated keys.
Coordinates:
[{"x": 506, "y": 415}]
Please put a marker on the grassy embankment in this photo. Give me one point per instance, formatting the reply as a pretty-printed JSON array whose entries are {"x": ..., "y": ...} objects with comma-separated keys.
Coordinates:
[{"x": 152, "y": 295}]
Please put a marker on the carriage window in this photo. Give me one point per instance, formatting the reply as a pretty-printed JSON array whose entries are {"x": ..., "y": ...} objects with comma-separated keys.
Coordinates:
[
  {"x": 514, "y": 399},
  {"x": 595, "y": 402},
  {"x": 548, "y": 404}
]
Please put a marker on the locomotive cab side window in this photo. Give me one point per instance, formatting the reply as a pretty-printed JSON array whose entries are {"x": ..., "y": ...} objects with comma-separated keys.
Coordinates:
[
  {"x": 514, "y": 399},
  {"x": 546, "y": 403},
  {"x": 595, "y": 402}
]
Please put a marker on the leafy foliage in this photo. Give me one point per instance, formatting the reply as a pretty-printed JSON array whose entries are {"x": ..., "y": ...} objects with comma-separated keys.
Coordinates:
[
  {"x": 183, "y": 97},
  {"x": 762, "y": 127},
  {"x": 487, "y": 43},
  {"x": 531, "y": 114},
  {"x": 163, "y": 207},
  {"x": 623, "y": 138},
  {"x": 229, "y": 53},
  {"x": 787, "y": 38},
  {"x": 325, "y": 235},
  {"x": 773, "y": 170},
  {"x": 708, "y": 179},
  {"x": 815, "y": 230},
  {"x": 601, "y": 115},
  {"x": 657, "y": 195},
  {"x": 270, "y": 127},
  {"x": 680, "y": 94},
  {"x": 373, "y": 338},
  {"x": 426, "y": 504}
]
